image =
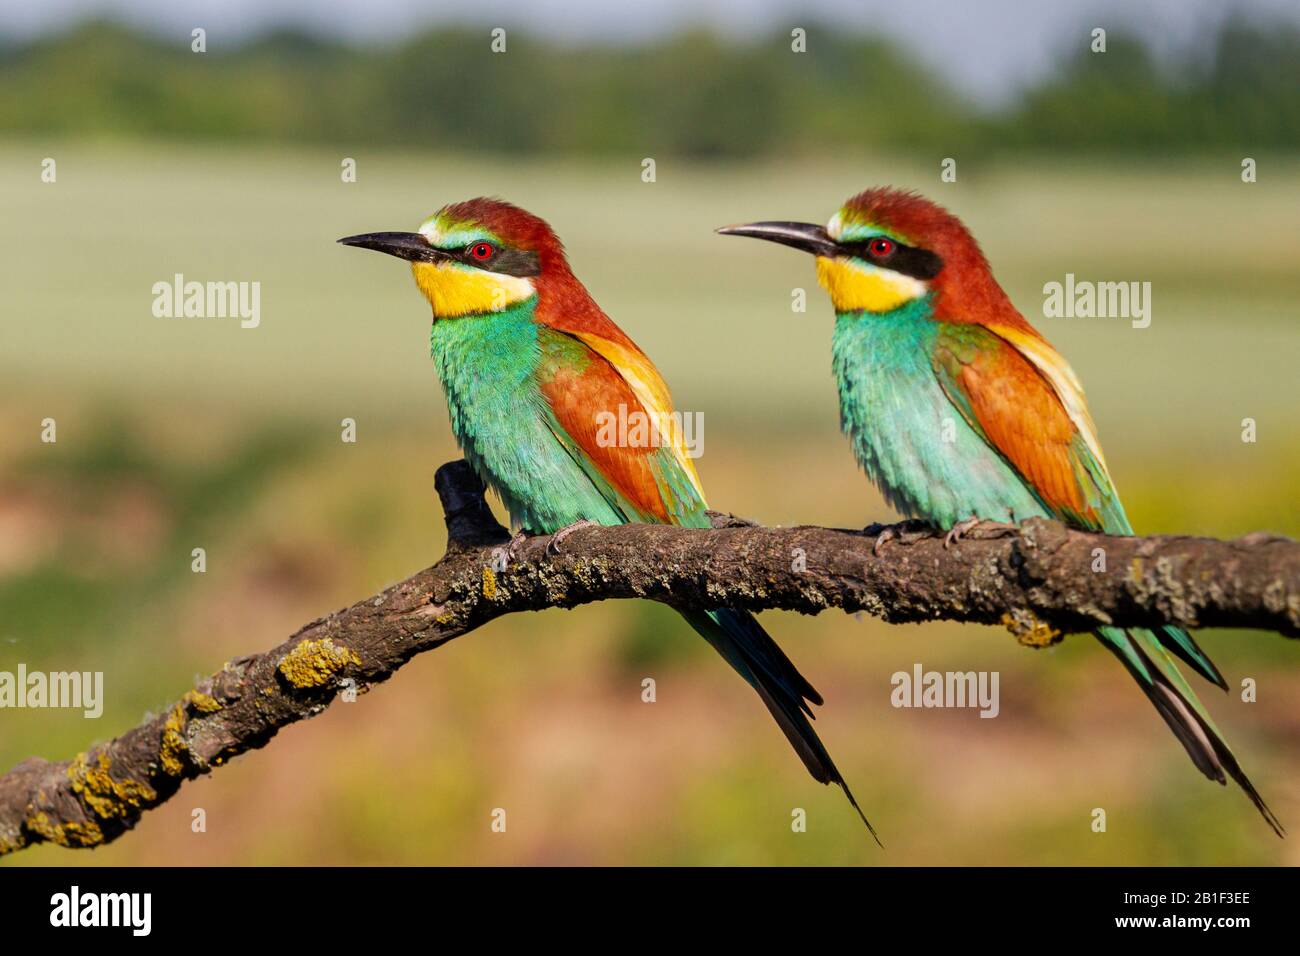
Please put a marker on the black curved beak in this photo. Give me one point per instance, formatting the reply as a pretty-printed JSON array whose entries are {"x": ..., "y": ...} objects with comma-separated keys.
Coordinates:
[
  {"x": 797, "y": 235},
  {"x": 405, "y": 245}
]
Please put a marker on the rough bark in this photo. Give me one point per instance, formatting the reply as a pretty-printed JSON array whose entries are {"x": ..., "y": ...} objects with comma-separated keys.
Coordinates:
[{"x": 1039, "y": 580}]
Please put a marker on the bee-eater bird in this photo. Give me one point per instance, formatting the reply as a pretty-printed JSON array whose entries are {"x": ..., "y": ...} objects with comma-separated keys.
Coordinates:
[
  {"x": 531, "y": 367},
  {"x": 959, "y": 410}
]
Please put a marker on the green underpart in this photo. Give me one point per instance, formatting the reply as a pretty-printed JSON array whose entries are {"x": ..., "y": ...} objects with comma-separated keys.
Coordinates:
[{"x": 920, "y": 450}]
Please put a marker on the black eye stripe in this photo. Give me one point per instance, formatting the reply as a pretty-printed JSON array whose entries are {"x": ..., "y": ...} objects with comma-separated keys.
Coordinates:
[
  {"x": 909, "y": 260},
  {"x": 513, "y": 262}
]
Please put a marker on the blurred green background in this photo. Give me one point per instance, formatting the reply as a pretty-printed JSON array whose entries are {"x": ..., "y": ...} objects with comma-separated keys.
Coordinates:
[{"x": 175, "y": 434}]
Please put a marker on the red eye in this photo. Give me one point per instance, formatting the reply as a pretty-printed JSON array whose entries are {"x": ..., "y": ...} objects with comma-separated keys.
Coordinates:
[
  {"x": 880, "y": 247},
  {"x": 481, "y": 251}
]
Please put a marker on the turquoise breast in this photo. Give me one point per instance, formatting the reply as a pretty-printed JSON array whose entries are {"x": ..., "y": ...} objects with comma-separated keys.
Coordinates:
[
  {"x": 488, "y": 367},
  {"x": 909, "y": 438}
]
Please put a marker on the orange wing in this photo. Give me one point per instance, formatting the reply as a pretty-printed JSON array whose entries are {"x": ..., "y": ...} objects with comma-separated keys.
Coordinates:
[
  {"x": 590, "y": 396},
  {"x": 1016, "y": 401}
]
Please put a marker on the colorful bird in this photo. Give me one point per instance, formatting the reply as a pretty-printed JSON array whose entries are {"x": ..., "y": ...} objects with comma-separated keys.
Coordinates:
[
  {"x": 959, "y": 410},
  {"x": 533, "y": 369}
]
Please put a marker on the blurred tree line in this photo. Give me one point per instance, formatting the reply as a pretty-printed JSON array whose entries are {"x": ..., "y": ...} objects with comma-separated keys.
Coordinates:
[{"x": 691, "y": 94}]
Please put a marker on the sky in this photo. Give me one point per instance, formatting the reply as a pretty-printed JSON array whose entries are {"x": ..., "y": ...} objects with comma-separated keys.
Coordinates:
[{"x": 989, "y": 49}]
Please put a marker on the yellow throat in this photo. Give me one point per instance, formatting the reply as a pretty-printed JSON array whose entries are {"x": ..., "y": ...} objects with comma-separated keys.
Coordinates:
[
  {"x": 453, "y": 289},
  {"x": 855, "y": 286}
]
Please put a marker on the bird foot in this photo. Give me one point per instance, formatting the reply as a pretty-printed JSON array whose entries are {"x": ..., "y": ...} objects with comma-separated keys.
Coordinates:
[
  {"x": 516, "y": 542},
  {"x": 957, "y": 531},
  {"x": 981, "y": 527},
  {"x": 502, "y": 558},
  {"x": 904, "y": 532},
  {"x": 553, "y": 546}
]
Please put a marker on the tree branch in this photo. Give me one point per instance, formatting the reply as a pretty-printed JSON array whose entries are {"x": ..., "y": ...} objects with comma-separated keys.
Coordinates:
[{"x": 1039, "y": 580}]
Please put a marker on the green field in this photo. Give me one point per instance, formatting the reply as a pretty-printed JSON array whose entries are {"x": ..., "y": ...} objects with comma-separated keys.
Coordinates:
[{"x": 177, "y": 433}]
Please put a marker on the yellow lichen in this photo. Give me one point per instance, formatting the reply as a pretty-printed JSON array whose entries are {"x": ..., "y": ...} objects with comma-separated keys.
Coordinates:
[
  {"x": 202, "y": 702},
  {"x": 10, "y": 846},
  {"x": 489, "y": 583},
  {"x": 314, "y": 663},
  {"x": 106, "y": 796},
  {"x": 174, "y": 746},
  {"x": 1029, "y": 630},
  {"x": 66, "y": 834}
]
